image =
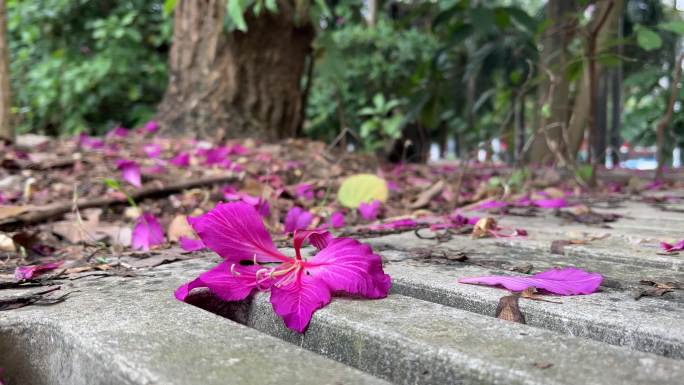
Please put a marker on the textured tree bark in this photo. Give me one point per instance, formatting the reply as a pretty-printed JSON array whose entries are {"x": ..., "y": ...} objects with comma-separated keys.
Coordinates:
[
  {"x": 582, "y": 109},
  {"x": 554, "y": 60},
  {"x": 235, "y": 84},
  {"x": 6, "y": 129},
  {"x": 601, "y": 119},
  {"x": 616, "y": 99}
]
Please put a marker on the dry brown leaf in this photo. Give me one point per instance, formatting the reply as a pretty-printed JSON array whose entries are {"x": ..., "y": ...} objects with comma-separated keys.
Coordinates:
[
  {"x": 7, "y": 243},
  {"x": 179, "y": 227},
  {"x": 508, "y": 309},
  {"x": 428, "y": 195},
  {"x": 483, "y": 226},
  {"x": 12, "y": 211}
]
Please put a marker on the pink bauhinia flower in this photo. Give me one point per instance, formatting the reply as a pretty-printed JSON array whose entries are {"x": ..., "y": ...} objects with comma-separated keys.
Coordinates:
[
  {"x": 181, "y": 160},
  {"x": 669, "y": 248},
  {"x": 297, "y": 219},
  {"x": 130, "y": 171},
  {"x": 298, "y": 286},
  {"x": 566, "y": 281},
  {"x": 147, "y": 233},
  {"x": 24, "y": 273},
  {"x": 370, "y": 211}
]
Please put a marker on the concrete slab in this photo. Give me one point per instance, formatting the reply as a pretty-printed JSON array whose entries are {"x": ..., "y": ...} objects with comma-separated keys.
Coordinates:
[
  {"x": 409, "y": 341},
  {"x": 132, "y": 331}
]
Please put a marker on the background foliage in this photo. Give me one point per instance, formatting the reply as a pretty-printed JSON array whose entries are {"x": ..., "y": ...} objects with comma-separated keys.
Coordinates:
[{"x": 86, "y": 65}]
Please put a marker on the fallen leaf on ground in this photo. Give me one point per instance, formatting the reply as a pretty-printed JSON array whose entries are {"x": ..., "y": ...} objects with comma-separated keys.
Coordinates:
[
  {"x": 508, "y": 309},
  {"x": 12, "y": 211},
  {"x": 428, "y": 195},
  {"x": 483, "y": 227},
  {"x": 656, "y": 289}
]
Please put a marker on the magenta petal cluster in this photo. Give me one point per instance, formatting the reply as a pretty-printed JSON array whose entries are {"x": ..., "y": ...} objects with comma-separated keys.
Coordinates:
[
  {"x": 130, "y": 171},
  {"x": 298, "y": 286},
  {"x": 23, "y": 273},
  {"x": 565, "y": 281},
  {"x": 147, "y": 233},
  {"x": 670, "y": 248}
]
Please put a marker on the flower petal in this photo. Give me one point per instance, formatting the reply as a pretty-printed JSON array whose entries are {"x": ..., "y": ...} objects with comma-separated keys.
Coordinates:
[
  {"x": 347, "y": 265},
  {"x": 370, "y": 211},
  {"x": 297, "y": 219},
  {"x": 130, "y": 171},
  {"x": 669, "y": 248},
  {"x": 228, "y": 285},
  {"x": 296, "y": 302},
  {"x": 27, "y": 272},
  {"x": 236, "y": 232},
  {"x": 553, "y": 203},
  {"x": 189, "y": 244},
  {"x": 319, "y": 238},
  {"x": 566, "y": 281},
  {"x": 147, "y": 233},
  {"x": 181, "y": 160}
]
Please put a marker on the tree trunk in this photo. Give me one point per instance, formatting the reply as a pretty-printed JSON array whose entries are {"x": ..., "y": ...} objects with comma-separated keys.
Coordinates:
[
  {"x": 616, "y": 99},
  {"x": 6, "y": 129},
  {"x": 601, "y": 119},
  {"x": 235, "y": 84},
  {"x": 582, "y": 107},
  {"x": 519, "y": 140},
  {"x": 554, "y": 59}
]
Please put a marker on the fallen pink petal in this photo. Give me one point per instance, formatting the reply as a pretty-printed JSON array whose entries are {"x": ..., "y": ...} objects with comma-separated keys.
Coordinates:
[
  {"x": 565, "y": 281},
  {"x": 298, "y": 286},
  {"x": 152, "y": 150},
  {"x": 370, "y": 211},
  {"x": 25, "y": 273},
  {"x": 151, "y": 127},
  {"x": 672, "y": 248},
  {"x": 181, "y": 160},
  {"x": 189, "y": 244},
  {"x": 147, "y": 233},
  {"x": 297, "y": 219},
  {"x": 550, "y": 203},
  {"x": 130, "y": 171}
]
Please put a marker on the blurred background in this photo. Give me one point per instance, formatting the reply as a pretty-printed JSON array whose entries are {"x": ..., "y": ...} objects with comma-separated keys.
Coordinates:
[{"x": 509, "y": 81}]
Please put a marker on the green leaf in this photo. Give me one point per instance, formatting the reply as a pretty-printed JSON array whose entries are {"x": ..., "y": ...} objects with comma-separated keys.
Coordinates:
[
  {"x": 676, "y": 26},
  {"x": 112, "y": 183},
  {"x": 585, "y": 172},
  {"x": 272, "y": 6},
  {"x": 169, "y": 6},
  {"x": 324, "y": 8},
  {"x": 647, "y": 39},
  {"x": 236, "y": 10},
  {"x": 362, "y": 188}
]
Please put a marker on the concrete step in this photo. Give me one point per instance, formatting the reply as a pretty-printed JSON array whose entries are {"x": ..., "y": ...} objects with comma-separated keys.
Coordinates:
[
  {"x": 133, "y": 331},
  {"x": 409, "y": 341}
]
